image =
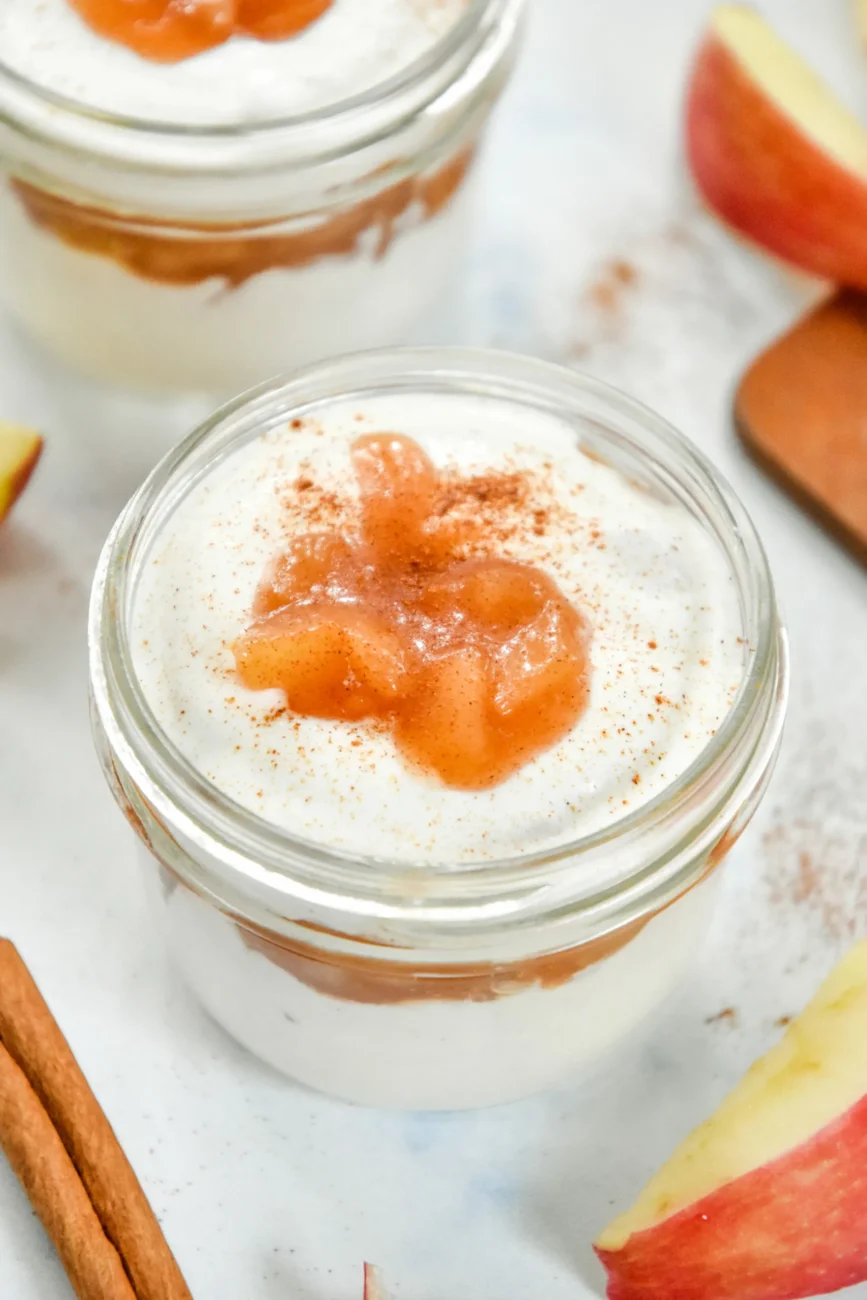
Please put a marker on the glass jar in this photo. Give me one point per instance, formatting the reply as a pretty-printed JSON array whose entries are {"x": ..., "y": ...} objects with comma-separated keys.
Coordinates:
[
  {"x": 465, "y": 983},
  {"x": 162, "y": 256}
]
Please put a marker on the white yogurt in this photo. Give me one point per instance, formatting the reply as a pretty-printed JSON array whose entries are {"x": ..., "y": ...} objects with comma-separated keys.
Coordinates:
[
  {"x": 666, "y": 652},
  {"x": 354, "y": 46}
]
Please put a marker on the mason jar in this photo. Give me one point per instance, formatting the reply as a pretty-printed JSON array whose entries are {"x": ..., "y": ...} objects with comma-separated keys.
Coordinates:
[
  {"x": 166, "y": 256},
  {"x": 464, "y": 981}
]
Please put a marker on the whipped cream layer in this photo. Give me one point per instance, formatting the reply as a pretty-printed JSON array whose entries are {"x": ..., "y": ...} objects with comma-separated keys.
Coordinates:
[
  {"x": 356, "y": 45},
  {"x": 666, "y": 653}
]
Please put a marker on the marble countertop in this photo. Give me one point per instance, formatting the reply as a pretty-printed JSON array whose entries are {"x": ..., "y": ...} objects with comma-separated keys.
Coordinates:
[{"x": 270, "y": 1193}]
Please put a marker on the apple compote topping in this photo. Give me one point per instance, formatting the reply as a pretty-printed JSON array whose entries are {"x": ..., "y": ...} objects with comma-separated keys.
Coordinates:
[
  {"x": 167, "y": 31},
  {"x": 475, "y": 662}
]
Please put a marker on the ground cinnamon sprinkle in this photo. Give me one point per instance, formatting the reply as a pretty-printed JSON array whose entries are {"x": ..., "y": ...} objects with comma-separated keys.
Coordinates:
[
  {"x": 807, "y": 882},
  {"x": 505, "y": 506},
  {"x": 498, "y": 502},
  {"x": 309, "y": 506},
  {"x": 498, "y": 489},
  {"x": 608, "y": 289}
]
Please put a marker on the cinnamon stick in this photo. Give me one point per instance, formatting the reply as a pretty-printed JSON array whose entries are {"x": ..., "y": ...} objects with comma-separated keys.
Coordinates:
[
  {"x": 48, "y": 1176},
  {"x": 35, "y": 1043}
]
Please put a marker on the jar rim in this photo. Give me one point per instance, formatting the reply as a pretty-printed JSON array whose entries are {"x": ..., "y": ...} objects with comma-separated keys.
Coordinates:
[
  {"x": 645, "y": 858},
  {"x": 477, "y": 43}
]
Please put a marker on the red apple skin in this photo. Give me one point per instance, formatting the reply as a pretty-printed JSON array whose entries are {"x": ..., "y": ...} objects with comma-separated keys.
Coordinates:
[
  {"x": 764, "y": 177},
  {"x": 11, "y": 490},
  {"x": 793, "y": 1228}
]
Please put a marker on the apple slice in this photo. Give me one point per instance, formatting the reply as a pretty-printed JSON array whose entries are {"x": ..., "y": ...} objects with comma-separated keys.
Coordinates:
[
  {"x": 372, "y": 1285},
  {"x": 773, "y": 152},
  {"x": 768, "y": 1199},
  {"x": 20, "y": 449}
]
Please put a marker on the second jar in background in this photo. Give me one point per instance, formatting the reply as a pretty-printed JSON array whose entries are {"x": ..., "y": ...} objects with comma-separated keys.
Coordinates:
[{"x": 170, "y": 255}]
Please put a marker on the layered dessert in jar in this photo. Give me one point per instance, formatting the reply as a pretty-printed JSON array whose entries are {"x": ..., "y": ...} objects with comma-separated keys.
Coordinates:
[
  {"x": 436, "y": 686},
  {"x": 198, "y": 196}
]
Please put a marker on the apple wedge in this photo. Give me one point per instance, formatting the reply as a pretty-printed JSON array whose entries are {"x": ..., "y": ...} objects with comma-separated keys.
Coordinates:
[
  {"x": 20, "y": 449},
  {"x": 372, "y": 1286},
  {"x": 768, "y": 1199},
  {"x": 773, "y": 152}
]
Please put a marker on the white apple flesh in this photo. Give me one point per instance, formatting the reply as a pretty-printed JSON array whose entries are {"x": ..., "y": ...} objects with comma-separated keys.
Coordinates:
[{"x": 20, "y": 449}]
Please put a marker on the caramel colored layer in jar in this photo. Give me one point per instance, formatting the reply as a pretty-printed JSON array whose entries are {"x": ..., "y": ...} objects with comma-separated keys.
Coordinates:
[
  {"x": 193, "y": 254},
  {"x": 378, "y": 981},
  {"x": 372, "y": 980}
]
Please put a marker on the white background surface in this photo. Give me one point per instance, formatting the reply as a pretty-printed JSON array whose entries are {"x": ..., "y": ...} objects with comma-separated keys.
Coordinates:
[{"x": 269, "y": 1193}]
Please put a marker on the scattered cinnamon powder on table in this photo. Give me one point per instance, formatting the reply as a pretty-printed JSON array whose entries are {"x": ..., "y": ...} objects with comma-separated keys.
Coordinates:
[
  {"x": 820, "y": 875},
  {"x": 728, "y": 1015},
  {"x": 607, "y": 291}
]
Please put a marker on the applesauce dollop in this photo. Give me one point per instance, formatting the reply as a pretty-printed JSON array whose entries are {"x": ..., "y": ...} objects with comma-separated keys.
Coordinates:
[
  {"x": 475, "y": 662},
  {"x": 167, "y": 31}
]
